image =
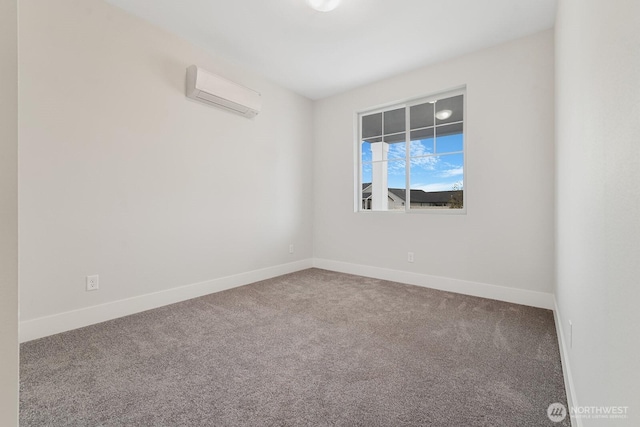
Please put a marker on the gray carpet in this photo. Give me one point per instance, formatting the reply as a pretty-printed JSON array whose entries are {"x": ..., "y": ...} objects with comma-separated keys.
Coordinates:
[{"x": 313, "y": 348}]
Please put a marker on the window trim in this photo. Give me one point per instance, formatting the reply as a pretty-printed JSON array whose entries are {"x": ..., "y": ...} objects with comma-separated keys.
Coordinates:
[{"x": 407, "y": 104}]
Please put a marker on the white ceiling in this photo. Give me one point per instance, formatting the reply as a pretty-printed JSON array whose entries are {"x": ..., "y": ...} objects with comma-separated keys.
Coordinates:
[{"x": 319, "y": 54}]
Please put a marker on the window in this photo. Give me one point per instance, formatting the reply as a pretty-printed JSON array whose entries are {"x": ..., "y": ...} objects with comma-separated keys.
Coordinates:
[{"x": 417, "y": 145}]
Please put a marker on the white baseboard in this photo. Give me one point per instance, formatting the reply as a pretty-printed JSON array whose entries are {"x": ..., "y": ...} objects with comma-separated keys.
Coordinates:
[
  {"x": 484, "y": 290},
  {"x": 62, "y": 322},
  {"x": 572, "y": 402},
  {"x": 54, "y": 324}
]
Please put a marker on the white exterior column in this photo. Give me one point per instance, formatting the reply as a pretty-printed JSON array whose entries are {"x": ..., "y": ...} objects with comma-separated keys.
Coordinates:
[{"x": 379, "y": 185}]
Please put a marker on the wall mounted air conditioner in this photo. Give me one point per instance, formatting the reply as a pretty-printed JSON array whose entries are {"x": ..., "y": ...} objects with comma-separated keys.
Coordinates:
[{"x": 215, "y": 90}]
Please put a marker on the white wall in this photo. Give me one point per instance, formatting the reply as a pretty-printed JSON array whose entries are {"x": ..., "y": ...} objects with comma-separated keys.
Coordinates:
[
  {"x": 506, "y": 237},
  {"x": 121, "y": 175},
  {"x": 598, "y": 199},
  {"x": 8, "y": 213}
]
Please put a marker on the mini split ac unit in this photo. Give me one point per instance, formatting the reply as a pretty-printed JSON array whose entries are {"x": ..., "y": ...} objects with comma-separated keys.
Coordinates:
[{"x": 215, "y": 90}]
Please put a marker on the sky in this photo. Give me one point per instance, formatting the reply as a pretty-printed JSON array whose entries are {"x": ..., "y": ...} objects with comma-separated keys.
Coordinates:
[{"x": 436, "y": 165}]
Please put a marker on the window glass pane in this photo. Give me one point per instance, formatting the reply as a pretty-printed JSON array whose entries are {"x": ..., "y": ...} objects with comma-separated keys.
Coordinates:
[
  {"x": 396, "y": 183},
  {"x": 372, "y": 125},
  {"x": 449, "y": 138},
  {"x": 378, "y": 169},
  {"x": 436, "y": 182},
  {"x": 449, "y": 110},
  {"x": 366, "y": 152},
  {"x": 366, "y": 185},
  {"x": 394, "y": 121},
  {"x": 397, "y": 174},
  {"x": 422, "y": 146},
  {"x": 422, "y": 134},
  {"x": 366, "y": 173},
  {"x": 397, "y": 151},
  {"x": 390, "y": 187},
  {"x": 396, "y": 137},
  {"x": 421, "y": 115}
]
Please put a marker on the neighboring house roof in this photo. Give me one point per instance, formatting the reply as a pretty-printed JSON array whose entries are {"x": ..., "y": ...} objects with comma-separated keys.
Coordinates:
[
  {"x": 417, "y": 196},
  {"x": 420, "y": 196}
]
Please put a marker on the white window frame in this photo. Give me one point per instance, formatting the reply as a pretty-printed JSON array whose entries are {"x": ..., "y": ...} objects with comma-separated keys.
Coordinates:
[{"x": 407, "y": 104}]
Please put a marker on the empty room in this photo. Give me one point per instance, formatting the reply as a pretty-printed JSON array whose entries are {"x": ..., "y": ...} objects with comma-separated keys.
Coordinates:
[{"x": 319, "y": 212}]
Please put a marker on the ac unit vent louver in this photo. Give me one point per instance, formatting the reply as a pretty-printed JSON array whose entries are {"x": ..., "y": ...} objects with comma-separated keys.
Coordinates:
[{"x": 214, "y": 90}]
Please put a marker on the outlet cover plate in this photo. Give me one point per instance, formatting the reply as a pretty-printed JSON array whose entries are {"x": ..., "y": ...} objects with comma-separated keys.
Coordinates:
[{"x": 92, "y": 283}]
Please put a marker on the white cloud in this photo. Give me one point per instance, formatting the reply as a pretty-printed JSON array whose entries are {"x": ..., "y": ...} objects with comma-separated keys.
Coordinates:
[
  {"x": 396, "y": 151},
  {"x": 452, "y": 172},
  {"x": 438, "y": 186},
  {"x": 426, "y": 163},
  {"x": 419, "y": 149}
]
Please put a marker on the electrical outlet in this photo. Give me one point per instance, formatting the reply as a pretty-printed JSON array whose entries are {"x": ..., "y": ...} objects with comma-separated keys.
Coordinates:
[
  {"x": 410, "y": 256},
  {"x": 291, "y": 248},
  {"x": 92, "y": 283}
]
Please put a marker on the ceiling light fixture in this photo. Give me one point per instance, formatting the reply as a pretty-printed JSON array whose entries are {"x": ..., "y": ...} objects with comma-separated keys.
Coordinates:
[
  {"x": 443, "y": 114},
  {"x": 324, "y": 5}
]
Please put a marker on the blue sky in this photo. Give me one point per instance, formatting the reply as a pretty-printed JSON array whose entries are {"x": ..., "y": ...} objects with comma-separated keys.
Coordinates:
[{"x": 431, "y": 168}]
